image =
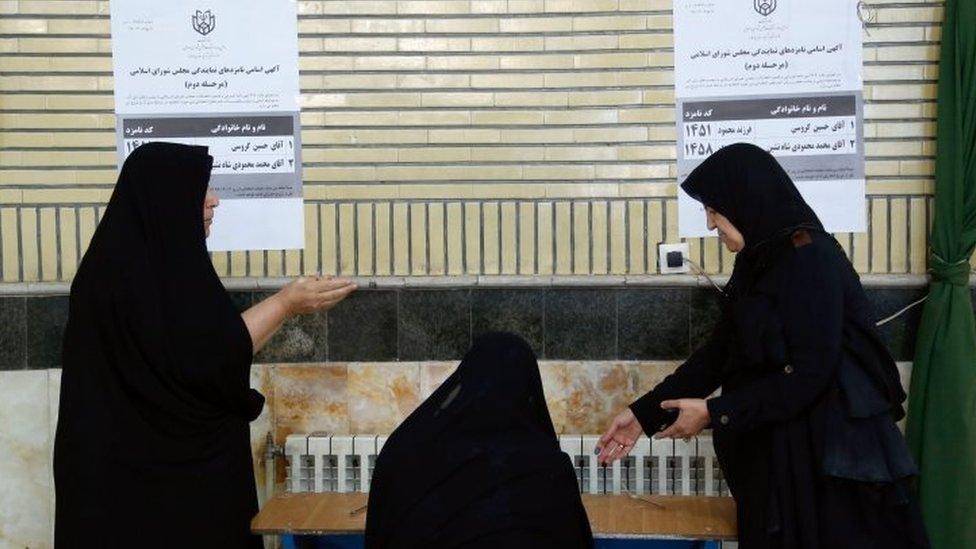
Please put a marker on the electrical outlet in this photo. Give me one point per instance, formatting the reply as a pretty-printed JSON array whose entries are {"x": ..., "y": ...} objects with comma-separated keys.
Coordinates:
[{"x": 671, "y": 258}]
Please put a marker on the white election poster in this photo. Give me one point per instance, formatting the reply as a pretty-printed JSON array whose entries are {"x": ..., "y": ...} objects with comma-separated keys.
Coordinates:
[
  {"x": 195, "y": 72},
  {"x": 784, "y": 75}
]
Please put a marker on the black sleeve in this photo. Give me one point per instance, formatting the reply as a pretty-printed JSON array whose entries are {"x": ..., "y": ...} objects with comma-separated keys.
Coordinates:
[
  {"x": 698, "y": 377},
  {"x": 812, "y": 307}
]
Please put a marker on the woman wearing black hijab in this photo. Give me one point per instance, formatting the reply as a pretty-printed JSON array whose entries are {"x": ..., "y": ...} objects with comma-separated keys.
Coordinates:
[
  {"x": 478, "y": 464},
  {"x": 152, "y": 446},
  {"x": 805, "y": 426}
]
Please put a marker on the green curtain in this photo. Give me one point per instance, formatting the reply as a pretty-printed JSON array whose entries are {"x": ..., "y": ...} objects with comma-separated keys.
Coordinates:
[{"x": 942, "y": 407}]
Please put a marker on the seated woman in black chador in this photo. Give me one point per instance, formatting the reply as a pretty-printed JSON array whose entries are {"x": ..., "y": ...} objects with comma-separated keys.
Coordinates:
[
  {"x": 478, "y": 464},
  {"x": 153, "y": 446},
  {"x": 805, "y": 427}
]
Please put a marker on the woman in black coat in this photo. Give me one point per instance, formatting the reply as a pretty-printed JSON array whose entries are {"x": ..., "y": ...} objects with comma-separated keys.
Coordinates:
[
  {"x": 153, "y": 446},
  {"x": 804, "y": 429},
  {"x": 478, "y": 464}
]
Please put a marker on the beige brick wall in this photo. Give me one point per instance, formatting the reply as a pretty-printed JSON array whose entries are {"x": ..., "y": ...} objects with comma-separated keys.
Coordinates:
[{"x": 448, "y": 137}]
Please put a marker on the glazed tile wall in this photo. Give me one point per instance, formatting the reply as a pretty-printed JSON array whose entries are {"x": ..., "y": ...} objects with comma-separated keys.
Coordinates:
[{"x": 420, "y": 325}]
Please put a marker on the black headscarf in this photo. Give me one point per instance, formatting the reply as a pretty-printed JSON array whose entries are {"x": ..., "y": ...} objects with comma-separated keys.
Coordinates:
[
  {"x": 155, "y": 393},
  {"x": 747, "y": 185},
  {"x": 478, "y": 464}
]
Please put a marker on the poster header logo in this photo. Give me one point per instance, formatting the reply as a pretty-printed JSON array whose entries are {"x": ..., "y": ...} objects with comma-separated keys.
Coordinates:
[
  {"x": 204, "y": 22},
  {"x": 762, "y": 7}
]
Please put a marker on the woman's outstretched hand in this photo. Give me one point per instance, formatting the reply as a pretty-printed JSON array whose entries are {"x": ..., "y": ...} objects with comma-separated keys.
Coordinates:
[
  {"x": 302, "y": 296},
  {"x": 315, "y": 293},
  {"x": 693, "y": 416},
  {"x": 620, "y": 437}
]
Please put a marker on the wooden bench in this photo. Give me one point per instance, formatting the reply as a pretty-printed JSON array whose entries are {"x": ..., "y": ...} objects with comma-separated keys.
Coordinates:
[{"x": 643, "y": 517}]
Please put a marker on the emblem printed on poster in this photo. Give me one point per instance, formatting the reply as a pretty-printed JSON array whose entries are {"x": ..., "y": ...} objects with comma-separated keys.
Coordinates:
[
  {"x": 204, "y": 22},
  {"x": 762, "y": 7}
]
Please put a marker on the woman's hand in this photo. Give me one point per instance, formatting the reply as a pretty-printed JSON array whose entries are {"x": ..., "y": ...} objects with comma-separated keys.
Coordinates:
[
  {"x": 310, "y": 294},
  {"x": 693, "y": 416},
  {"x": 301, "y": 296},
  {"x": 620, "y": 437}
]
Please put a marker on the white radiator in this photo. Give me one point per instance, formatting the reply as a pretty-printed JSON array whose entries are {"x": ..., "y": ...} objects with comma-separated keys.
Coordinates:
[{"x": 319, "y": 462}]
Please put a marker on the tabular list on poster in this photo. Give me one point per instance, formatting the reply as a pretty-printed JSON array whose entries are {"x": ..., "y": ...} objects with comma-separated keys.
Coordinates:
[
  {"x": 785, "y": 76},
  {"x": 190, "y": 71}
]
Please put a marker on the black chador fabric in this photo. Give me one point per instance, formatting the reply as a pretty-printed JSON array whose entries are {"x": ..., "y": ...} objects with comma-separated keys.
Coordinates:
[
  {"x": 805, "y": 426},
  {"x": 152, "y": 445},
  {"x": 478, "y": 464}
]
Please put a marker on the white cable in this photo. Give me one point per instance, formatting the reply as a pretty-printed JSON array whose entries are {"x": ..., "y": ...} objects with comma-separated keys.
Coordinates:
[
  {"x": 701, "y": 272},
  {"x": 904, "y": 310}
]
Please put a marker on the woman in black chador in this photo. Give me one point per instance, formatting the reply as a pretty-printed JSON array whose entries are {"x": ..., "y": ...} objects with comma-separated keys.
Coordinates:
[
  {"x": 152, "y": 446},
  {"x": 805, "y": 427},
  {"x": 478, "y": 464}
]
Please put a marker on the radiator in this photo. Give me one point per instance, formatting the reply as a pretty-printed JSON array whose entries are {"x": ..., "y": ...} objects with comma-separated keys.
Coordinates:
[{"x": 320, "y": 462}]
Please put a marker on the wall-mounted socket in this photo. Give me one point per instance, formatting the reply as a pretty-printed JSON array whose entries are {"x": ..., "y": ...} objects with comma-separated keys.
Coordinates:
[{"x": 671, "y": 258}]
